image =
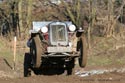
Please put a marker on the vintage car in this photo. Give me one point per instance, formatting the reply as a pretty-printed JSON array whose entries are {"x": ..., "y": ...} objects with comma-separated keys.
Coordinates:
[{"x": 55, "y": 43}]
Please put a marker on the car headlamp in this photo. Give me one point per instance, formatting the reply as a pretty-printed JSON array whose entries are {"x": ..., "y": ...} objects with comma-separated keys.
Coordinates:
[
  {"x": 72, "y": 28},
  {"x": 44, "y": 29}
]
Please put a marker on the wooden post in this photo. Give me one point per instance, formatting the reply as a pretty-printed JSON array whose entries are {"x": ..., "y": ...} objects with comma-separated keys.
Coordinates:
[{"x": 14, "y": 53}]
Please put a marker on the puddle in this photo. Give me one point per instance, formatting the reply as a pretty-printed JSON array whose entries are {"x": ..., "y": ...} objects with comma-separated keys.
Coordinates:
[{"x": 96, "y": 72}]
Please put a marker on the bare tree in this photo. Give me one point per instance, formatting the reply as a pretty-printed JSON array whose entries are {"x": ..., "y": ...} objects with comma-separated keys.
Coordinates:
[
  {"x": 29, "y": 13},
  {"x": 74, "y": 11},
  {"x": 20, "y": 15}
]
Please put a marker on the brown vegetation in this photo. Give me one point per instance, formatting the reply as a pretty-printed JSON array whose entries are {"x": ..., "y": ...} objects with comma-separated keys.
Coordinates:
[{"x": 100, "y": 17}]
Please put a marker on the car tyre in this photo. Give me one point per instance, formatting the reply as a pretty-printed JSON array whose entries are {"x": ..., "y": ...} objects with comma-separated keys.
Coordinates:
[
  {"x": 36, "y": 51},
  {"x": 70, "y": 67},
  {"x": 27, "y": 64},
  {"x": 83, "y": 51}
]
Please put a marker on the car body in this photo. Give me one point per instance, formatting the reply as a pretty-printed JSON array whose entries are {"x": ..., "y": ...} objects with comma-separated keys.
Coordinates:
[
  {"x": 58, "y": 37},
  {"x": 55, "y": 42}
]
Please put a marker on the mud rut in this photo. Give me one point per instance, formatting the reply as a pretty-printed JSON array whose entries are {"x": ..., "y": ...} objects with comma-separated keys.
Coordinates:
[
  {"x": 96, "y": 74},
  {"x": 87, "y": 75},
  {"x": 112, "y": 77}
]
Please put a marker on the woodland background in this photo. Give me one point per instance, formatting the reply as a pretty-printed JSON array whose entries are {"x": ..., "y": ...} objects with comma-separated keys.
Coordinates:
[{"x": 102, "y": 20}]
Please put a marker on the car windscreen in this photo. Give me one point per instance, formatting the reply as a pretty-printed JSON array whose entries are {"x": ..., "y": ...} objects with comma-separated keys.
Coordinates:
[{"x": 58, "y": 33}]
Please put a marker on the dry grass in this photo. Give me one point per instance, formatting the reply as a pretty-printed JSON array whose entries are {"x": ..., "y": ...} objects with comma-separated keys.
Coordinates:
[
  {"x": 104, "y": 51},
  {"x": 6, "y": 51},
  {"x": 107, "y": 51}
]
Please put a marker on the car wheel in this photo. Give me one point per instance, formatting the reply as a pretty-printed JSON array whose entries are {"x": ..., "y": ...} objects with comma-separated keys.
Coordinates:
[
  {"x": 83, "y": 51},
  {"x": 27, "y": 64},
  {"x": 70, "y": 66},
  {"x": 36, "y": 52}
]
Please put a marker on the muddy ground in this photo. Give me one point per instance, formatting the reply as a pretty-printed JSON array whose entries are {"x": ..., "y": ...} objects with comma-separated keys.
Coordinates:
[
  {"x": 106, "y": 64},
  {"x": 110, "y": 77},
  {"x": 109, "y": 74},
  {"x": 105, "y": 78}
]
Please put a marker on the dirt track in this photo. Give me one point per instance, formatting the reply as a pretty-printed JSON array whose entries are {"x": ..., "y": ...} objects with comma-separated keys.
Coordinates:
[
  {"x": 7, "y": 75},
  {"x": 116, "y": 75},
  {"x": 105, "y": 78},
  {"x": 113, "y": 59}
]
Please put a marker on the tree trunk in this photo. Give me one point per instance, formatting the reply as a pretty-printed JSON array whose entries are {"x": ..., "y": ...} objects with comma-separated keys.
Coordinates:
[
  {"x": 20, "y": 16},
  {"x": 110, "y": 27},
  {"x": 29, "y": 13},
  {"x": 90, "y": 24}
]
